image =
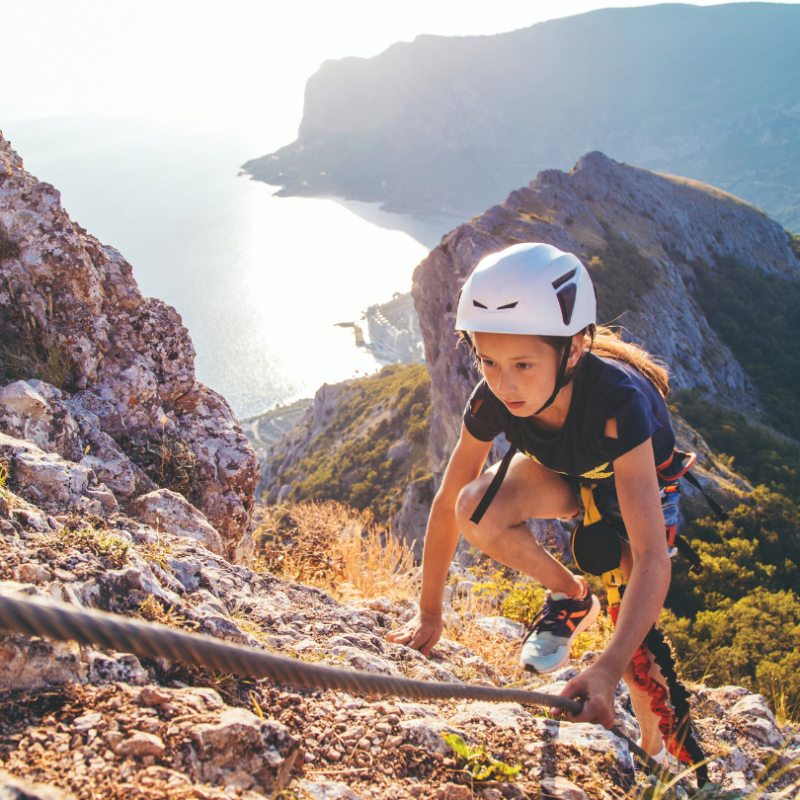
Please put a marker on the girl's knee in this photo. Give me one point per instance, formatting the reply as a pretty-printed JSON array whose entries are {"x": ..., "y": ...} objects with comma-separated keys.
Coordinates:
[{"x": 468, "y": 500}]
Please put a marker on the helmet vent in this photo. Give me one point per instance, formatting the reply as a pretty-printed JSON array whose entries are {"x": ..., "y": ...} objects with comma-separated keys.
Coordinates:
[
  {"x": 508, "y": 305},
  {"x": 478, "y": 305},
  {"x": 563, "y": 279},
  {"x": 566, "y": 299}
]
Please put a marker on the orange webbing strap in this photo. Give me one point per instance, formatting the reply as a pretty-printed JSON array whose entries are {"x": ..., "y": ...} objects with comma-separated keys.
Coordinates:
[
  {"x": 677, "y": 735},
  {"x": 659, "y": 703}
]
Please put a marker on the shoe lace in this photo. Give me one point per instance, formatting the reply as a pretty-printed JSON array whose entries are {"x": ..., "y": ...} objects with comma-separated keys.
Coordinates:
[{"x": 548, "y": 618}]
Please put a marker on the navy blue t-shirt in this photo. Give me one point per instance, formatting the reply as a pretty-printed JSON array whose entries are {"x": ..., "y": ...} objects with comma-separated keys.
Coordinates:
[{"x": 602, "y": 388}]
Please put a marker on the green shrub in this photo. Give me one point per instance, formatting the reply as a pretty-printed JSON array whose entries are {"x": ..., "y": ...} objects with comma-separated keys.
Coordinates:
[
  {"x": 620, "y": 274},
  {"x": 758, "y": 455},
  {"x": 756, "y": 548},
  {"x": 757, "y": 315},
  {"x": 357, "y": 472},
  {"x": 752, "y": 642}
]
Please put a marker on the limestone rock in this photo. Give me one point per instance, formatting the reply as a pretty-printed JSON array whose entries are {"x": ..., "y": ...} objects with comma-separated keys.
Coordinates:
[
  {"x": 140, "y": 744},
  {"x": 328, "y": 790},
  {"x": 12, "y": 788},
  {"x": 34, "y": 573},
  {"x": 171, "y": 512},
  {"x": 454, "y": 791},
  {"x": 241, "y": 742},
  {"x": 586, "y": 737},
  {"x": 31, "y": 663},
  {"x": 757, "y": 720},
  {"x": 132, "y": 358},
  {"x": 47, "y": 478},
  {"x": 126, "y": 668},
  {"x": 500, "y": 626},
  {"x": 427, "y": 733},
  {"x": 411, "y": 522},
  {"x": 33, "y": 410},
  {"x": 559, "y": 788},
  {"x": 502, "y": 715}
]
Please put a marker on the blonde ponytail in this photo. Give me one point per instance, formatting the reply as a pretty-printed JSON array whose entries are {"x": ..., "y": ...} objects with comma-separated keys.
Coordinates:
[{"x": 608, "y": 343}]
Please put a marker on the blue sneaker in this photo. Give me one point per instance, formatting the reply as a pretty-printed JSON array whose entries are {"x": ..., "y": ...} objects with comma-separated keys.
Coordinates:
[{"x": 554, "y": 629}]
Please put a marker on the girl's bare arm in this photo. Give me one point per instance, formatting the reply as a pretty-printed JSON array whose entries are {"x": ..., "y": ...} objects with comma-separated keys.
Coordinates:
[
  {"x": 640, "y": 504},
  {"x": 423, "y": 631}
]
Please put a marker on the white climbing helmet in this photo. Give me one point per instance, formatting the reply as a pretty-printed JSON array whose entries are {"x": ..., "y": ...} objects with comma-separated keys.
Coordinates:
[{"x": 528, "y": 288}]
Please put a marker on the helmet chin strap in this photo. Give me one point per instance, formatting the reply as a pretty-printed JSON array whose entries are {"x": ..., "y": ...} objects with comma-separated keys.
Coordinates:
[{"x": 562, "y": 371}]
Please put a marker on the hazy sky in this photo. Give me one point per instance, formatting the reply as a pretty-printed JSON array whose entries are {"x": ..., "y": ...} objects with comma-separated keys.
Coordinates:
[{"x": 235, "y": 63}]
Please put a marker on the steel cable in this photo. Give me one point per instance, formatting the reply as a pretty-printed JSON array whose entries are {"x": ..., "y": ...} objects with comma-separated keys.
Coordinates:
[{"x": 63, "y": 622}]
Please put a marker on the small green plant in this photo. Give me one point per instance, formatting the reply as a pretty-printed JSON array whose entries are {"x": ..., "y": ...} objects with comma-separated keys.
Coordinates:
[
  {"x": 98, "y": 542},
  {"x": 157, "y": 553},
  {"x": 154, "y": 609},
  {"x": 479, "y": 764}
]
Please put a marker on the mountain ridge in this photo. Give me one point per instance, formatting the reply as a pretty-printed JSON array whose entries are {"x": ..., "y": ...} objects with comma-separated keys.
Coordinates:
[{"x": 449, "y": 123}]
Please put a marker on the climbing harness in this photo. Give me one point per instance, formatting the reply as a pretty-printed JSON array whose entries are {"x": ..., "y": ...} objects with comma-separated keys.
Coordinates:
[{"x": 34, "y": 617}]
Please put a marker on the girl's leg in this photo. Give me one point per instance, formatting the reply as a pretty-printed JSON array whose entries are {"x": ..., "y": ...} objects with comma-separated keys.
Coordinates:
[
  {"x": 529, "y": 490},
  {"x": 652, "y": 741}
]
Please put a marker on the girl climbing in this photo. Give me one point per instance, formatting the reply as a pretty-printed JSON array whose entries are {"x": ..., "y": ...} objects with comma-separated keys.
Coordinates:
[{"x": 588, "y": 425}]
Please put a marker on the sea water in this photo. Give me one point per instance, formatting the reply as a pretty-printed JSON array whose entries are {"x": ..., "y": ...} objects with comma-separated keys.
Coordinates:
[{"x": 259, "y": 281}]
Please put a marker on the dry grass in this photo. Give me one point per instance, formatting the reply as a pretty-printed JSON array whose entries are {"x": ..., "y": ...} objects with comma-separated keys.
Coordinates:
[
  {"x": 337, "y": 549},
  {"x": 154, "y": 609},
  {"x": 343, "y": 552}
]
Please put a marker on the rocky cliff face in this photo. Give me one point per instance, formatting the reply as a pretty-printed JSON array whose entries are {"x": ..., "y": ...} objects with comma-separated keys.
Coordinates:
[
  {"x": 671, "y": 221},
  {"x": 451, "y": 123},
  {"x": 71, "y": 303}
]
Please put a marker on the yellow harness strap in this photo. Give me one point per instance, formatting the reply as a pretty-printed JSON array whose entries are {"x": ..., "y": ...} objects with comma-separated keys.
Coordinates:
[{"x": 614, "y": 579}]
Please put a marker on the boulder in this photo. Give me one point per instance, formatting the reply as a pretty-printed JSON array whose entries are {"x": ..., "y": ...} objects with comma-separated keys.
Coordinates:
[
  {"x": 31, "y": 663},
  {"x": 500, "y": 626},
  {"x": 171, "y": 512},
  {"x": 508, "y": 716},
  {"x": 241, "y": 742},
  {"x": 427, "y": 733}
]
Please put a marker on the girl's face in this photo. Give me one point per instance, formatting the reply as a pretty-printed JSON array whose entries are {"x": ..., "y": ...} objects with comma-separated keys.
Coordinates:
[{"x": 520, "y": 369}]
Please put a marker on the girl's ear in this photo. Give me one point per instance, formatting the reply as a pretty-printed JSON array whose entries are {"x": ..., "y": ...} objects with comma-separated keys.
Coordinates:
[{"x": 576, "y": 349}]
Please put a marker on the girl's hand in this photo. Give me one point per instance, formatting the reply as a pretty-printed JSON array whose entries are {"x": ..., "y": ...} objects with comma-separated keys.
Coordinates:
[
  {"x": 595, "y": 689},
  {"x": 419, "y": 633}
]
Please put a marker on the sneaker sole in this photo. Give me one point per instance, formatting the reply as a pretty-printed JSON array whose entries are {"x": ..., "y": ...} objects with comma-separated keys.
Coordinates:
[{"x": 591, "y": 615}]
